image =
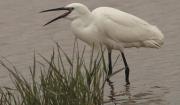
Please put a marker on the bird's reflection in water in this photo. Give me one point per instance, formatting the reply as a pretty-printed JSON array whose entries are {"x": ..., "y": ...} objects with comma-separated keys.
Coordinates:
[
  {"x": 121, "y": 97},
  {"x": 112, "y": 92},
  {"x": 128, "y": 95}
]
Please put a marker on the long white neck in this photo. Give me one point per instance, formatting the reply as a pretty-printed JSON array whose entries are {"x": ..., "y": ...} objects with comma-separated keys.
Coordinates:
[{"x": 83, "y": 21}]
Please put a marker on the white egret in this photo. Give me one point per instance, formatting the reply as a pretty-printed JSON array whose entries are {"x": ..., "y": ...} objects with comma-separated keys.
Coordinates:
[{"x": 112, "y": 28}]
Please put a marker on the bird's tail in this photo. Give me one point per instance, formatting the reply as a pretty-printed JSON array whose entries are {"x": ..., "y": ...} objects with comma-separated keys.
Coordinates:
[
  {"x": 152, "y": 43},
  {"x": 158, "y": 34},
  {"x": 157, "y": 39}
]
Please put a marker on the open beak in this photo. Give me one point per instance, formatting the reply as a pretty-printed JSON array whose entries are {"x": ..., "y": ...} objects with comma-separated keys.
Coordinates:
[{"x": 68, "y": 9}]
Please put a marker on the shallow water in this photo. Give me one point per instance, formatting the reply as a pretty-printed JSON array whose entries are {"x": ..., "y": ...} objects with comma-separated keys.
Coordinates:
[{"x": 155, "y": 74}]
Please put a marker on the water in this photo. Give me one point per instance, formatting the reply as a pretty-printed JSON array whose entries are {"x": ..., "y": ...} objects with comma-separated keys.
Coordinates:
[{"x": 154, "y": 73}]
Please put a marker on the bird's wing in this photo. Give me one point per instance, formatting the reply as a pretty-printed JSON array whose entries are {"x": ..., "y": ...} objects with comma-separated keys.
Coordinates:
[{"x": 121, "y": 26}]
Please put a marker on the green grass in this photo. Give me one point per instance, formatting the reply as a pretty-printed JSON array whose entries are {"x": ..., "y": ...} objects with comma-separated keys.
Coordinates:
[{"x": 62, "y": 80}]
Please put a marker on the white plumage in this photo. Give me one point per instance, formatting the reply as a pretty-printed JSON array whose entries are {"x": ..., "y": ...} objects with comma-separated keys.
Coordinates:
[
  {"x": 111, "y": 27},
  {"x": 127, "y": 30}
]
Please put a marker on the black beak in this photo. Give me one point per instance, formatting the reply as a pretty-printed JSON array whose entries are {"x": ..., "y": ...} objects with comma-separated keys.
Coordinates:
[{"x": 68, "y": 9}]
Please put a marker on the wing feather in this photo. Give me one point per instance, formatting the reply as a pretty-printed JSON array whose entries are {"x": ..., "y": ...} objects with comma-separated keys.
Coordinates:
[{"x": 124, "y": 27}]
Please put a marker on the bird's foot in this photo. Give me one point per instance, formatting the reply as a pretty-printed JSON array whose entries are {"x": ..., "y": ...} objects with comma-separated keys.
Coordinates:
[{"x": 127, "y": 83}]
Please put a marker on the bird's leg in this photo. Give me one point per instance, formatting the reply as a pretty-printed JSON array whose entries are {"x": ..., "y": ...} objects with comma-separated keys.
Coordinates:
[
  {"x": 110, "y": 62},
  {"x": 126, "y": 69}
]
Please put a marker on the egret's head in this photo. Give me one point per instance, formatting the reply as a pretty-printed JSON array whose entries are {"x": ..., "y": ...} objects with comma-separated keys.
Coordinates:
[
  {"x": 79, "y": 10},
  {"x": 73, "y": 11}
]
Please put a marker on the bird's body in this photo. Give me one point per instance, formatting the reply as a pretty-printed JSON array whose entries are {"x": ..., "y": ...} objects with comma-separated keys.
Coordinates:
[
  {"x": 112, "y": 28},
  {"x": 116, "y": 30}
]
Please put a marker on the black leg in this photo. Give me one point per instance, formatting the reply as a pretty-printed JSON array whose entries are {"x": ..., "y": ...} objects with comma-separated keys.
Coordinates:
[
  {"x": 126, "y": 69},
  {"x": 110, "y": 62}
]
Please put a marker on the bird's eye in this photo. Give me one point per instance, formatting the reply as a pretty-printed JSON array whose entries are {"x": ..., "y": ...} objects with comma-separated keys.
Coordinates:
[{"x": 71, "y": 8}]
